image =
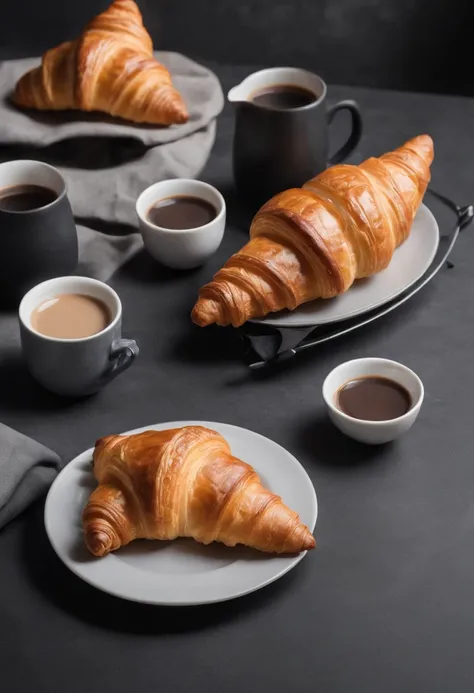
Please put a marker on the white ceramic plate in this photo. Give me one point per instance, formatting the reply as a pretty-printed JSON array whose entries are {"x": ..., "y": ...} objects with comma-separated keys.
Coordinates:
[
  {"x": 181, "y": 572},
  {"x": 410, "y": 261}
]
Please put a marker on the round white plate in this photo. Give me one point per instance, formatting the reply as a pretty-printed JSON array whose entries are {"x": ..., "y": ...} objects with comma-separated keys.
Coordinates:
[
  {"x": 410, "y": 261},
  {"x": 180, "y": 572}
]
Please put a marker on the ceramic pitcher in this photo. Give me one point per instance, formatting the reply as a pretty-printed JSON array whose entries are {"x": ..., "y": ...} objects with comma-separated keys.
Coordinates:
[{"x": 277, "y": 148}]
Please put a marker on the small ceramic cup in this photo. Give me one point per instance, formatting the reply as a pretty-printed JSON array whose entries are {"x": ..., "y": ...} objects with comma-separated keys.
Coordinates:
[
  {"x": 35, "y": 244},
  {"x": 75, "y": 367},
  {"x": 372, "y": 432},
  {"x": 182, "y": 248}
]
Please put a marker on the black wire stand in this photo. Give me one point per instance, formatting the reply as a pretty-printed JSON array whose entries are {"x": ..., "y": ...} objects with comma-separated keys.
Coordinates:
[{"x": 269, "y": 346}]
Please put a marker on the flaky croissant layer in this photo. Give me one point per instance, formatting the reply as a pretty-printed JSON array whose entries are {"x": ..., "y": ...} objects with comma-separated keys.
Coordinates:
[
  {"x": 184, "y": 483},
  {"x": 109, "y": 68},
  {"x": 315, "y": 241}
]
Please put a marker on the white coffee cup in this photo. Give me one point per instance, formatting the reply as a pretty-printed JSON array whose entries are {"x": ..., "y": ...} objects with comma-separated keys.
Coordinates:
[
  {"x": 79, "y": 366},
  {"x": 372, "y": 432},
  {"x": 181, "y": 248}
]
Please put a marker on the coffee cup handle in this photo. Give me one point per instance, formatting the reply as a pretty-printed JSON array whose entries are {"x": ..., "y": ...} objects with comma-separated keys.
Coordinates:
[
  {"x": 356, "y": 133},
  {"x": 123, "y": 353}
]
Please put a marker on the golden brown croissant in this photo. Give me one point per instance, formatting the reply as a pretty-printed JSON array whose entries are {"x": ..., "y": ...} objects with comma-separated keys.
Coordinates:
[
  {"x": 109, "y": 68},
  {"x": 313, "y": 242},
  {"x": 184, "y": 482}
]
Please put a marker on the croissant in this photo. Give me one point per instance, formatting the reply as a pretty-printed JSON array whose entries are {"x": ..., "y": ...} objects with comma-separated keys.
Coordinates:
[
  {"x": 109, "y": 68},
  {"x": 184, "y": 482},
  {"x": 313, "y": 242}
]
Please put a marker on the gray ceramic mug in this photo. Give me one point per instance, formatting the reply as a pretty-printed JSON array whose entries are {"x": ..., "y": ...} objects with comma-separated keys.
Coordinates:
[
  {"x": 75, "y": 367},
  {"x": 280, "y": 148},
  {"x": 35, "y": 244}
]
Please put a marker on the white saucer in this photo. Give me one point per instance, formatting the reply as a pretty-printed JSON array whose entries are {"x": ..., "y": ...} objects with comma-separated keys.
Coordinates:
[
  {"x": 410, "y": 261},
  {"x": 182, "y": 572}
]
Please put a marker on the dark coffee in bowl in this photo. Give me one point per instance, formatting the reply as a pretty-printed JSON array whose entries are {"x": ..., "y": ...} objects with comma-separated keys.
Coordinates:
[
  {"x": 373, "y": 398},
  {"x": 23, "y": 198},
  {"x": 283, "y": 96},
  {"x": 70, "y": 316},
  {"x": 181, "y": 212}
]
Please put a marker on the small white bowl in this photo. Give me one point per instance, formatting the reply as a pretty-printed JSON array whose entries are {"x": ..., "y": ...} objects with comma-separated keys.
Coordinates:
[
  {"x": 181, "y": 248},
  {"x": 372, "y": 432}
]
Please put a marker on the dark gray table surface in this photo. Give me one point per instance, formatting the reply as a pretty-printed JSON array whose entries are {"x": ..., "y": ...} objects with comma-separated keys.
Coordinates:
[{"x": 385, "y": 603}]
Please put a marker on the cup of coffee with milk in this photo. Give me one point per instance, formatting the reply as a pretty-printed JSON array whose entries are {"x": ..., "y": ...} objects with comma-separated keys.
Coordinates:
[{"x": 71, "y": 335}]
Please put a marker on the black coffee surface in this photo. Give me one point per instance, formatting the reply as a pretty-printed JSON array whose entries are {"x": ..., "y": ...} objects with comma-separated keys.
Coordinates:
[
  {"x": 373, "y": 398},
  {"x": 181, "y": 212},
  {"x": 283, "y": 96},
  {"x": 22, "y": 198}
]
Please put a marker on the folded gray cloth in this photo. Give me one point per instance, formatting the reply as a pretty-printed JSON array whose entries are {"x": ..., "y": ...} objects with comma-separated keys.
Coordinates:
[
  {"x": 27, "y": 470},
  {"x": 108, "y": 162}
]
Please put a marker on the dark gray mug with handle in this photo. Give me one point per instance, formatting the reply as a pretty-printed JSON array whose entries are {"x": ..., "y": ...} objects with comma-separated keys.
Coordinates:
[
  {"x": 82, "y": 366},
  {"x": 276, "y": 148}
]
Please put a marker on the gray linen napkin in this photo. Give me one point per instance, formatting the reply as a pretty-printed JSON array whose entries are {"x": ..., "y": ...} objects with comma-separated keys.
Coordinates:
[
  {"x": 27, "y": 469},
  {"x": 108, "y": 162}
]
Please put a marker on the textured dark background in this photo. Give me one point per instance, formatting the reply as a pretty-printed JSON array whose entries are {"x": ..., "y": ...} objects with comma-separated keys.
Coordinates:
[
  {"x": 385, "y": 604},
  {"x": 420, "y": 45}
]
